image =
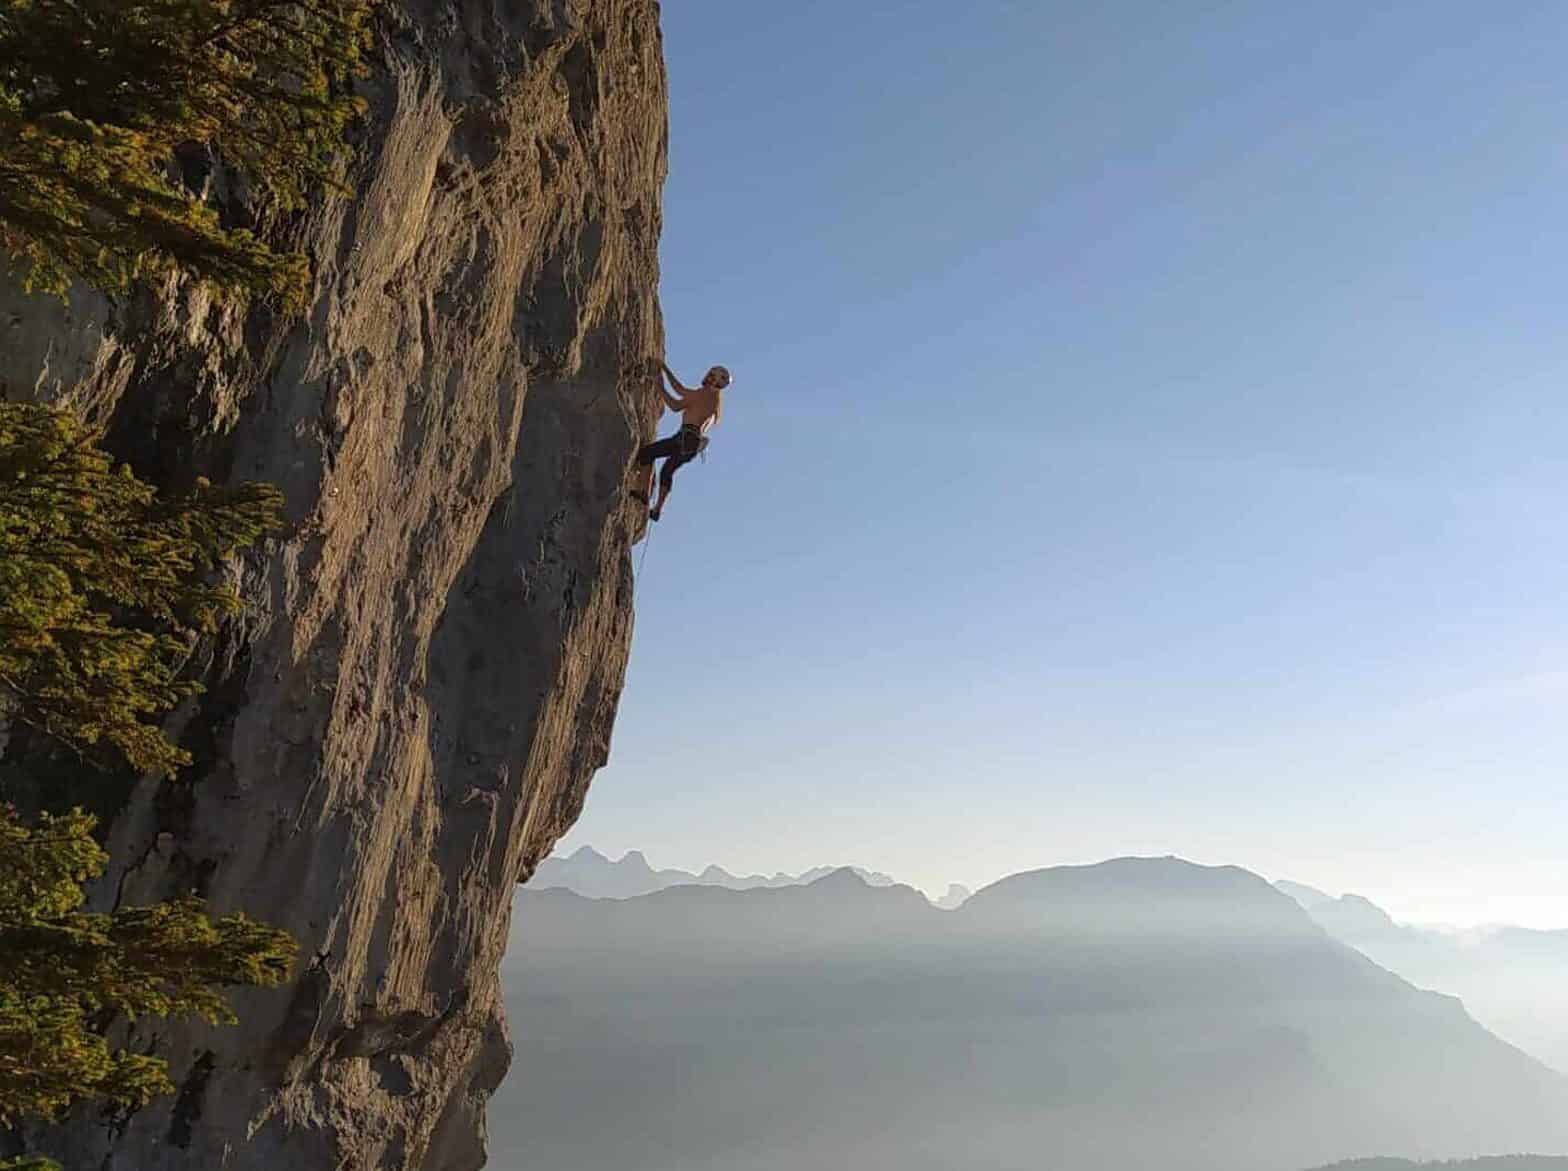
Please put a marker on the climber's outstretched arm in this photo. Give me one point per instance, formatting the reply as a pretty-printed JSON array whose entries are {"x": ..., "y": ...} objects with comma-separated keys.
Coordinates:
[
  {"x": 674, "y": 402},
  {"x": 674, "y": 381}
]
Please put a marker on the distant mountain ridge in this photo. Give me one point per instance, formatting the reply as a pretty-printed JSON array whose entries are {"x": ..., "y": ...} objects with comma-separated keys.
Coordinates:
[
  {"x": 1141, "y": 1012},
  {"x": 1348, "y": 916},
  {"x": 1145, "y": 897},
  {"x": 593, "y": 875},
  {"x": 1513, "y": 979}
]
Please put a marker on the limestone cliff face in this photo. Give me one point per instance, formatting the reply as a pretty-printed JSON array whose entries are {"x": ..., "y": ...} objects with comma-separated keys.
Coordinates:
[{"x": 410, "y": 711}]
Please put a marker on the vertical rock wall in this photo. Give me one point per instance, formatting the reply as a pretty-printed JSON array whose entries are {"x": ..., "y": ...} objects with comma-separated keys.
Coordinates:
[{"x": 424, "y": 681}]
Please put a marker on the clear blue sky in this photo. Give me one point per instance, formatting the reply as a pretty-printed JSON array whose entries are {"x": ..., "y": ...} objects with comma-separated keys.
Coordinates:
[{"x": 1150, "y": 435}]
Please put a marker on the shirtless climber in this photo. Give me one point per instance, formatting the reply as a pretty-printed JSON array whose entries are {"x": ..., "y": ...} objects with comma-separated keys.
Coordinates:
[{"x": 700, "y": 410}]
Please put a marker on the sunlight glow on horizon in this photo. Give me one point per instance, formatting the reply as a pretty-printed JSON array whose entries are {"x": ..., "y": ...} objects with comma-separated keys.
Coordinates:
[{"x": 1442, "y": 907}]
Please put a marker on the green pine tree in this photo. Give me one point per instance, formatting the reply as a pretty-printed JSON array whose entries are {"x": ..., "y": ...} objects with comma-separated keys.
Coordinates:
[
  {"x": 97, "y": 95},
  {"x": 104, "y": 588},
  {"x": 103, "y": 585},
  {"x": 63, "y": 971}
]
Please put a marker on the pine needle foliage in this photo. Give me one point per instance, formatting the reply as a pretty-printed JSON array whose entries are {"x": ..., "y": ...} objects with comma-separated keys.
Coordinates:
[
  {"x": 97, "y": 95},
  {"x": 103, "y": 585},
  {"x": 63, "y": 970}
]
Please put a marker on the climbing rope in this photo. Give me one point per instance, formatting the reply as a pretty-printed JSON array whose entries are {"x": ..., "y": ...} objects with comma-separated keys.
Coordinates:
[{"x": 647, "y": 543}]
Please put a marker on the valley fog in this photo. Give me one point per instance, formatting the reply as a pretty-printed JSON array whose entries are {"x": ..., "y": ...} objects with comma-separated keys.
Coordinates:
[{"x": 1141, "y": 1013}]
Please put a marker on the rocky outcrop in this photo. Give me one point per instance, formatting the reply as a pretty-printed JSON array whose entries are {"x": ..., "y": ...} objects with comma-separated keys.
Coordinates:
[{"x": 411, "y": 708}]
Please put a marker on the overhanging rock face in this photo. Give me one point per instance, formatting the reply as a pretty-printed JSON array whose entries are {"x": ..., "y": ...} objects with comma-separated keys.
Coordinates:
[{"x": 424, "y": 681}]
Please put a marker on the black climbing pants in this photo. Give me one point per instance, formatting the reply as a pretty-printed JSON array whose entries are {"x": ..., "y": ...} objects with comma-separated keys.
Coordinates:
[{"x": 679, "y": 449}]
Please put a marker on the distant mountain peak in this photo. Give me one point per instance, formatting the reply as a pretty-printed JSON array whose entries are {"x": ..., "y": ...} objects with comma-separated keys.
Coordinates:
[
  {"x": 591, "y": 874},
  {"x": 1156, "y": 874},
  {"x": 1140, "y": 896},
  {"x": 845, "y": 876},
  {"x": 1348, "y": 917}
]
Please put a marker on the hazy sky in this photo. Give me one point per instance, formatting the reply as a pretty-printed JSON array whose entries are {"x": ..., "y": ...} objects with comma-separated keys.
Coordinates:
[{"x": 1150, "y": 435}]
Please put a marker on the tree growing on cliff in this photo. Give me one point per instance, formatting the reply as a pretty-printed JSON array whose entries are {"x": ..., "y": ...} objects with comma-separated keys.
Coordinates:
[
  {"x": 103, "y": 588},
  {"x": 103, "y": 585},
  {"x": 64, "y": 971},
  {"x": 96, "y": 98}
]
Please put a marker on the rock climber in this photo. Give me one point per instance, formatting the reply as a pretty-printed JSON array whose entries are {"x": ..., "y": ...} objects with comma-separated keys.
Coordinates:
[{"x": 701, "y": 409}]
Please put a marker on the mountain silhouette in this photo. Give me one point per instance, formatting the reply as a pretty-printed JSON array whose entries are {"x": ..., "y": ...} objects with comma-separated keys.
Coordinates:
[
  {"x": 587, "y": 872},
  {"x": 1143, "y": 898},
  {"x": 1143, "y": 1012},
  {"x": 1514, "y": 980}
]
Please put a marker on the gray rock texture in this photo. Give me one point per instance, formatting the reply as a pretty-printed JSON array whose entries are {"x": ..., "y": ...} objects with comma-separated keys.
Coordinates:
[{"x": 424, "y": 681}]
